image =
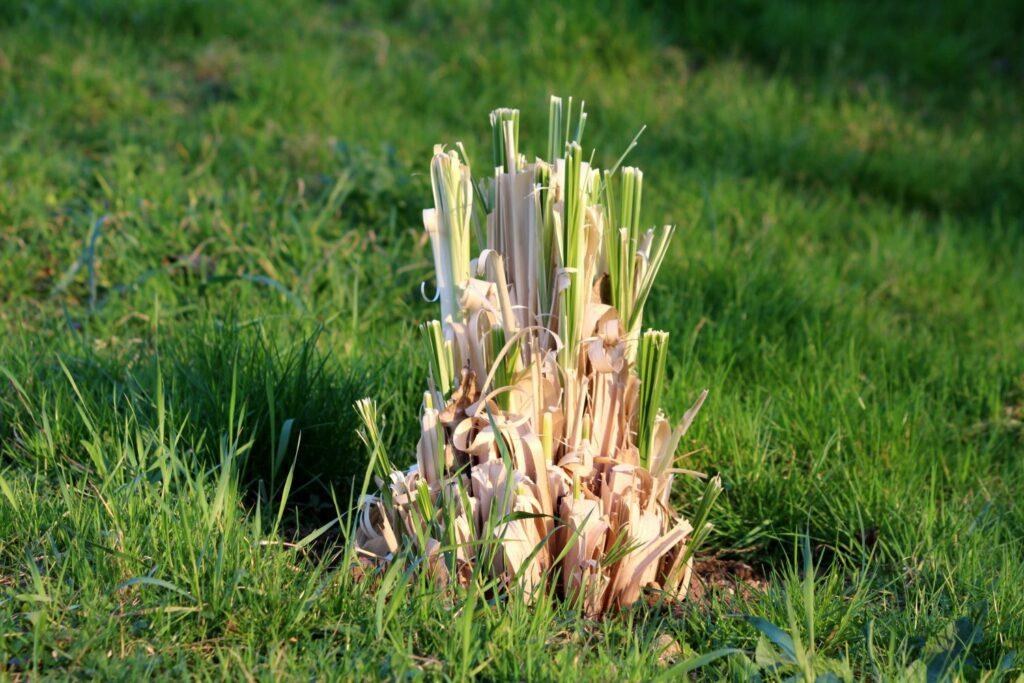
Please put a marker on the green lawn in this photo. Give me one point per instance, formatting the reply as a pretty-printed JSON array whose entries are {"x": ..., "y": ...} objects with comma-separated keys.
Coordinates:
[{"x": 210, "y": 247}]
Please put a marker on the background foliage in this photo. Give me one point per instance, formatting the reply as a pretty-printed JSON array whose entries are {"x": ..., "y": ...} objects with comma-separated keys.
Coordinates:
[{"x": 210, "y": 240}]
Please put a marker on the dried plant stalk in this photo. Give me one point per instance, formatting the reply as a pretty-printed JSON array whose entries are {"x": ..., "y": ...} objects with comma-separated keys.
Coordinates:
[{"x": 544, "y": 458}]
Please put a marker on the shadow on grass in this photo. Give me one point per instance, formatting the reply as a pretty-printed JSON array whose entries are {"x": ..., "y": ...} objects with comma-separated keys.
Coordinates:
[
  {"x": 945, "y": 47},
  {"x": 291, "y": 400}
]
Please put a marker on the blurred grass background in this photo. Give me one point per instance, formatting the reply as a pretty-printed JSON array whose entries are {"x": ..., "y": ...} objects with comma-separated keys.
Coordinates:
[{"x": 209, "y": 218}]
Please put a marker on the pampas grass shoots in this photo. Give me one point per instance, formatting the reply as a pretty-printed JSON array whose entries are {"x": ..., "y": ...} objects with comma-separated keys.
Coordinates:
[{"x": 545, "y": 460}]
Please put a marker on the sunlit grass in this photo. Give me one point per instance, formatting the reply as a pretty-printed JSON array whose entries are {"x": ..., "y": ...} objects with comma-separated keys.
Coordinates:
[{"x": 230, "y": 199}]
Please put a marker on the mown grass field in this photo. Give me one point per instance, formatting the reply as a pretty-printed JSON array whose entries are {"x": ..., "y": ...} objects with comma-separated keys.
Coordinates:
[{"x": 210, "y": 244}]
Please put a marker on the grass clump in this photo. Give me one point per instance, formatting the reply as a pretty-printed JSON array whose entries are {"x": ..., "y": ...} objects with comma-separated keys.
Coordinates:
[{"x": 543, "y": 448}]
